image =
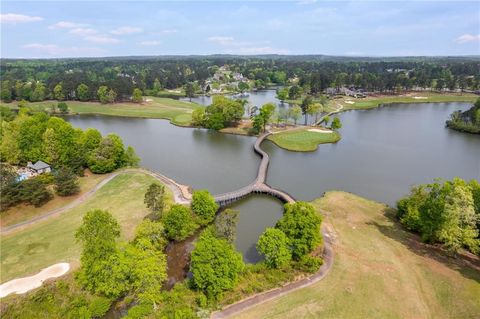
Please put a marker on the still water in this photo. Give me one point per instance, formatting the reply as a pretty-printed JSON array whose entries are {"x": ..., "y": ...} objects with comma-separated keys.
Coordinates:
[{"x": 382, "y": 153}]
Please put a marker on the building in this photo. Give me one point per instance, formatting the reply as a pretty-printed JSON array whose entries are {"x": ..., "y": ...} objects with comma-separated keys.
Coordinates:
[{"x": 39, "y": 167}]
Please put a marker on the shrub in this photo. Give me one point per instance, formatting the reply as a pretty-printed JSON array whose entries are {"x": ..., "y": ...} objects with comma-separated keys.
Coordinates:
[
  {"x": 309, "y": 264},
  {"x": 99, "y": 306},
  {"x": 66, "y": 182}
]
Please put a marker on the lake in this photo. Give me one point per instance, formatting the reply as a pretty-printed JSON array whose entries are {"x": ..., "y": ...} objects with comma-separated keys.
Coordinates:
[{"x": 382, "y": 153}]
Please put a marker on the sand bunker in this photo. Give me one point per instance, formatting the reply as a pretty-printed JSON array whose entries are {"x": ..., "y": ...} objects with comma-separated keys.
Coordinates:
[
  {"x": 349, "y": 102},
  {"x": 319, "y": 131},
  {"x": 22, "y": 285},
  {"x": 420, "y": 97}
]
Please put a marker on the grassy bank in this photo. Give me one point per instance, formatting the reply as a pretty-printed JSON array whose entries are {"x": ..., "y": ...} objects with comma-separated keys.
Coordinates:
[
  {"x": 25, "y": 212},
  {"x": 303, "y": 139},
  {"x": 380, "y": 271},
  {"x": 351, "y": 103},
  {"x": 44, "y": 243},
  {"x": 178, "y": 112}
]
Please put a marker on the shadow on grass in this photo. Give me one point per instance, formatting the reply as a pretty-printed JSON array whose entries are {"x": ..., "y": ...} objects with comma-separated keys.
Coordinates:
[{"x": 465, "y": 263}]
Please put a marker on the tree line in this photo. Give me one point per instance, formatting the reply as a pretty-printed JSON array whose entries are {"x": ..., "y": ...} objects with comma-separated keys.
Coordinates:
[
  {"x": 29, "y": 137},
  {"x": 446, "y": 212},
  {"x": 468, "y": 121},
  {"x": 81, "y": 79}
]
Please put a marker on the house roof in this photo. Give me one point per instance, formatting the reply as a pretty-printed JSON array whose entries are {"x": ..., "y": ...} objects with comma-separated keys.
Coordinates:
[{"x": 39, "y": 165}]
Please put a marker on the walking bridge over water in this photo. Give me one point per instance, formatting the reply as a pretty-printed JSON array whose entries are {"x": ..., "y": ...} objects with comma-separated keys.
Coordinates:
[{"x": 258, "y": 186}]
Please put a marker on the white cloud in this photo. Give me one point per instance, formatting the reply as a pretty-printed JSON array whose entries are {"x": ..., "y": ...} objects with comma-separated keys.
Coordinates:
[
  {"x": 101, "y": 39},
  {"x": 464, "y": 38},
  {"x": 126, "y": 30},
  {"x": 57, "y": 51},
  {"x": 66, "y": 25},
  {"x": 149, "y": 43},
  {"x": 306, "y": 1},
  {"x": 240, "y": 47},
  {"x": 83, "y": 32},
  {"x": 14, "y": 18},
  {"x": 222, "y": 40},
  {"x": 168, "y": 31}
]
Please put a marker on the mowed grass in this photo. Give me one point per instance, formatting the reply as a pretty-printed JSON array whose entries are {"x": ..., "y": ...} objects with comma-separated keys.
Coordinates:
[
  {"x": 418, "y": 97},
  {"x": 303, "y": 140},
  {"x": 178, "y": 112},
  {"x": 380, "y": 271},
  {"x": 42, "y": 244},
  {"x": 25, "y": 212}
]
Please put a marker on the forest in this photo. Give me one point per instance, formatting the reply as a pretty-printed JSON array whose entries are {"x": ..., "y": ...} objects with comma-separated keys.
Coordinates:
[{"x": 83, "y": 79}]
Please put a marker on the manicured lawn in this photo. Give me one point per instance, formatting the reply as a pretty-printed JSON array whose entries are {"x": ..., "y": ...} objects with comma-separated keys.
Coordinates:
[
  {"x": 178, "y": 112},
  {"x": 42, "y": 244},
  {"x": 303, "y": 140},
  {"x": 419, "y": 97},
  {"x": 380, "y": 271},
  {"x": 21, "y": 213}
]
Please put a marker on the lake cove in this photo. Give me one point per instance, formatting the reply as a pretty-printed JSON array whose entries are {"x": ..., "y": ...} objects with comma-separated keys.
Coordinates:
[{"x": 382, "y": 153}]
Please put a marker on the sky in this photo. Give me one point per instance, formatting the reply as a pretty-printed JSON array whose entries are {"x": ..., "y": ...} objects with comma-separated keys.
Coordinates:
[{"x": 52, "y": 29}]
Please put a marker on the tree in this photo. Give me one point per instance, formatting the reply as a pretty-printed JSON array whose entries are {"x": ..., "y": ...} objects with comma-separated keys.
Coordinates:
[
  {"x": 282, "y": 94},
  {"x": 326, "y": 120},
  {"x": 257, "y": 124},
  {"x": 295, "y": 112},
  {"x": 90, "y": 140},
  {"x": 137, "y": 96},
  {"x": 336, "y": 124},
  {"x": 62, "y": 107},
  {"x": 152, "y": 232},
  {"x": 266, "y": 112},
  {"x": 301, "y": 225},
  {"x": 102, "y": 270},
  {"x": 105, "y": 95},
  {"x": 8, "y": 175},
  {"x": 130, "y": 158},
  {"x": 198, "y": 116},
  {"x": 6, "y": 92},
  {"x": 314, "y": 109},
  {"x": 58, "y": 92},
  {"x": 294, "y": 92},
  {"x": 83, "y": 92},
  {"x": 66, "y": 182},
  {"x": 148, "y": 271},
  {"x": 215, "y": 265},
  {"x": 108, "y": 156},
  {"x": 226, "y": 225},
  {"x": 204, "y": 206},
  {"x": 274, "y": 246},
  {"x": 243, "y": 86},
  {"x": 189, "y": 90},
  {"x": 305, "y": 106},
  {"x": 40, "y": 92},
  {"x": 179, "y": 222},
  {"x": 459, "y": 220},
  {"x": 155, "y": 198}
]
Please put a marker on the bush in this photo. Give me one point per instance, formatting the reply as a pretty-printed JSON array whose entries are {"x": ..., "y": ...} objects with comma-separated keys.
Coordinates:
[
  {"x": 99, "y": 306},
  {"x": 139, "y": 311},
  {"x": 309, "y": 264},
  {"x": 31, "y": 191},
  {"x": 62, "y": 107}
]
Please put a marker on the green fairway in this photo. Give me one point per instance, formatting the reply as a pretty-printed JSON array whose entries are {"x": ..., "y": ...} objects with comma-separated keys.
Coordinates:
[
  {"x": 303, "y": 140},
  {"x": 379, "y": 271},
  {"x": 178, "y": 112},
  {"x": 44, "y": 243}
]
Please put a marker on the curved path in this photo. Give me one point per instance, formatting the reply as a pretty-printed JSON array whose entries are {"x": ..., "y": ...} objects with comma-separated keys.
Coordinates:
[
  {"x": 181, "y": 194},
  {"x": 258, "y": 185},
  {"x": 340, "y": 107},
  {"x": 278, "y": 292}
]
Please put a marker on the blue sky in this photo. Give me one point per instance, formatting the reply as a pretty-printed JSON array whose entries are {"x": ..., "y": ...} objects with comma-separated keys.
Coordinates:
[{"x": 119, "y": 28}]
